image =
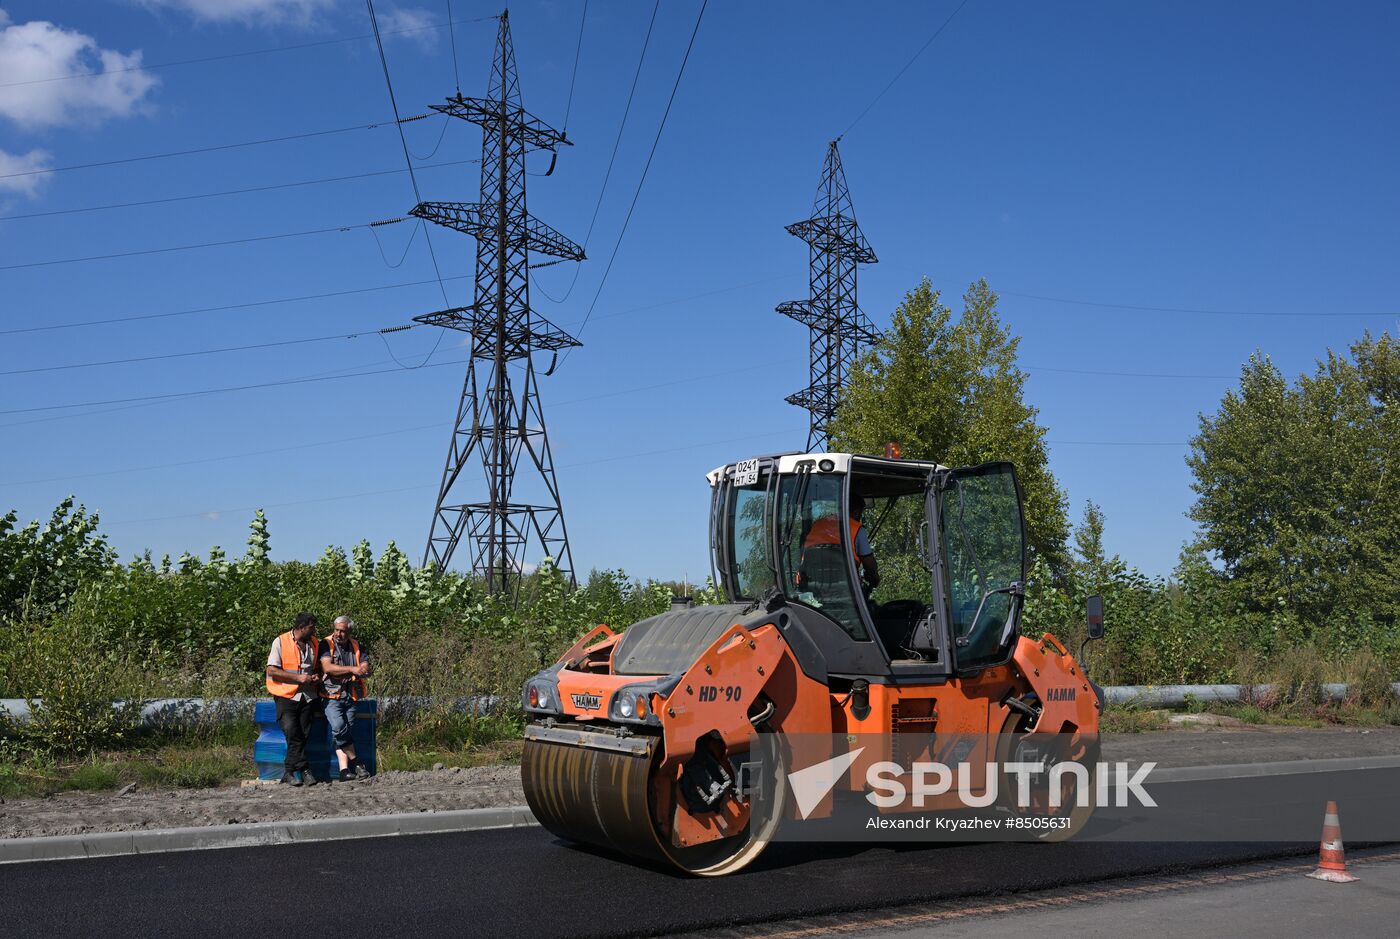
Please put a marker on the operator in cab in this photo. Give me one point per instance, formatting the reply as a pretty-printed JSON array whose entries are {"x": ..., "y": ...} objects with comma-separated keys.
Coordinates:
[{"x": 826, "y": 531}]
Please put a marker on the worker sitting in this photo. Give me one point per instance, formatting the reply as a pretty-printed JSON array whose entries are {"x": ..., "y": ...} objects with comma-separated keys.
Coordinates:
[
  {"x": 345, "y": 668},
  {"x": 826, "y": 531}
]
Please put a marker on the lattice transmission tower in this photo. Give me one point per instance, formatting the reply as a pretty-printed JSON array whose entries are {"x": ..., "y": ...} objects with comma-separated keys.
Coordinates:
[
  {"x": 838, "y": 327},
  {"x": 501, "y": 427}
]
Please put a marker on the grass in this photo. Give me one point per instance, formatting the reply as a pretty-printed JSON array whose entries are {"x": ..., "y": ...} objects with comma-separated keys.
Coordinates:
[
  {"x": 1117, "y": 719},
  {"x": 189, "y": 765},
  {"x": 452, "y": 739},
  {"x": 223, "y": 754},
  {"x": 1342, "y": 714}
]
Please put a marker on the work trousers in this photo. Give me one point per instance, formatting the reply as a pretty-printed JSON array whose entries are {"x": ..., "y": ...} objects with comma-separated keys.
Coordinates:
[
  {"x": 340, "y": 714},
  {"x": 295, "y": 719}
]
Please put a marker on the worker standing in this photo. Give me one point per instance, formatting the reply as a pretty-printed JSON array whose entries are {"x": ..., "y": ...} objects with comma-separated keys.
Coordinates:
[
  {"x": 345, "y": 667},
  {"x": 293, "y": 677}
]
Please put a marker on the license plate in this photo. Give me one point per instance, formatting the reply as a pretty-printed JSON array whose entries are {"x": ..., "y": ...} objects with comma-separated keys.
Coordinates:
[{"x": 745, "y": 472}]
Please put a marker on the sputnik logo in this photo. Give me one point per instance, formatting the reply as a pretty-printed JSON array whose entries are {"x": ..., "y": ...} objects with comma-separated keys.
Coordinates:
[{"x": 811, "y": 785}]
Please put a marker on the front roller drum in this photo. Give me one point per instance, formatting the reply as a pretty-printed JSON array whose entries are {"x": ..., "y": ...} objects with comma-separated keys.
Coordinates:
[{"x": 603, "y": 797}]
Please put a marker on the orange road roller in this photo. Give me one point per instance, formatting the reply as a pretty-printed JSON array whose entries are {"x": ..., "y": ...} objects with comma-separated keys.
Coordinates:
[{"x": 869, "y": 596}]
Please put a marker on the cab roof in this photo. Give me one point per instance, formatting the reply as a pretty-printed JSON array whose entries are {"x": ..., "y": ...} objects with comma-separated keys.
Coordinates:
[{"x": 841, "y": 463}]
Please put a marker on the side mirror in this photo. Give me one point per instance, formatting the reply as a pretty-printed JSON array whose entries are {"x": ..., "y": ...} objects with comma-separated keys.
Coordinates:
[{"x": 1094, "y": 608}]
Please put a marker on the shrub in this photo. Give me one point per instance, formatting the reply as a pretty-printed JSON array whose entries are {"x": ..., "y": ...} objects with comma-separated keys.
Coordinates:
[{"x": 80, "y": 697}]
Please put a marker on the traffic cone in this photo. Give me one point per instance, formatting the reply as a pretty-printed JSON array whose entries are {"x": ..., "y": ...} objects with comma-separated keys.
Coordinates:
[{"x": 1332, "y": 862}]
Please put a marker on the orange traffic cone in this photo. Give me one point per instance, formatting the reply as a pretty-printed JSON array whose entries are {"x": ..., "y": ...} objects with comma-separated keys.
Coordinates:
[{"x": 1332, "y": 862}]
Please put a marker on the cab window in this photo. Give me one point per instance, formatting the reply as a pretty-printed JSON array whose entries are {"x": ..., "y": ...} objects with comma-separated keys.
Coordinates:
[
  {"x": 748, "y": 523},
  {"x": 815, "y": 548},
  {"x": 984, "y": 541}
]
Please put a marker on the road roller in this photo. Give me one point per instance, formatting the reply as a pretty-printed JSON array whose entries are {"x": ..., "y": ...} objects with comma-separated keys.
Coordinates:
[{"x": 868, "y": 597}]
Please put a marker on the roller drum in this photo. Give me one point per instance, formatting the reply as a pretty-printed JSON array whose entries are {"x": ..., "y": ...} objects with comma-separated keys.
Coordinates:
[
  {"x": 602, "y": 796},
  {"x": 598, "y": 797}
]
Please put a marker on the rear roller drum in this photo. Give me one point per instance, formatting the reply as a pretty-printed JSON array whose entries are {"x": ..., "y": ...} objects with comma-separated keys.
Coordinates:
[{"x": 604, "y": 798}]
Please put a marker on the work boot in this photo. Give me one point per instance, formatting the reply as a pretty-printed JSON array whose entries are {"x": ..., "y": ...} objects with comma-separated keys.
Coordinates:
[
  {"x": 309, "y": 778},
  {"x": 291, "y": 779},
  {"x": 361, "y": 772},
  {"x": 347, "y": 775}
]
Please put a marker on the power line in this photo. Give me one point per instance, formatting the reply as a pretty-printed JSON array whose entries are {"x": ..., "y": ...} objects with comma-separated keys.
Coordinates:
[
  {"x": 413, "y": 178},
  {"x": 584, "y": 400},
  {"x": 237, "y": 55},
  {"x": 617, "y": 142},
  {"x": 197, "y": 352},
  {"x": 345, "y": 293},
  {"x": 900, "y": 73},
  {"x": 642, "y": 181},
  {"x": 346, "y": 371},
  {"x": 380, "y": 492},
  {"x": 1152, "y": 309},
  {"x": 452, "y": 31},
  {"x": 204, "y": 244},
  {"x": 1085, "y": 371},
  {"x": 207, "y": 391},
  {"x": 319, "y": 378},
  {"x": 573, "y": 79},
  {"x": 274, "y": 505},
  {"x": 1172, "y": 309},
  {"x": 224, "y": 308},
  {"x": 1119, "y": 443},
  {"x": 227, "y": 192},
  {"x": 231, "y": 456},
  {"x": 216, "y": 147}
]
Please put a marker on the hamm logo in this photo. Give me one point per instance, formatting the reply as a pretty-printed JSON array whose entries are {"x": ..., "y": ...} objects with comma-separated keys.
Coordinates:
[
  {"x": 587, "y": 702},
  {"x": 1061, "y": 694}
]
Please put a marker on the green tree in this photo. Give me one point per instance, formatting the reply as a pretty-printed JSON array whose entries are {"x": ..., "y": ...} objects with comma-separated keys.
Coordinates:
[
  {"x": 1298, "y": 487},
  {"x": 951, "y": 391},
  {"x": 1088, "y": 537},
  {"x": 42, "y": 567},
  {"x": 1094, "y": 567}
]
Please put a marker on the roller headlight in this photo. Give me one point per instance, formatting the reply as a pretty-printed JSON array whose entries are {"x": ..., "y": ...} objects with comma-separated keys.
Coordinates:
[{"x": 632, "y": 704}]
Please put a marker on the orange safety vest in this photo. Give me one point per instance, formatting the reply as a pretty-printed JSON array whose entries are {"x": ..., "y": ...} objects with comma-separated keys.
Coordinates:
[
  {"x": 290, "y": 653},
  {"x": 824, "y": 531},
  {"x": 356, "y": 685}
]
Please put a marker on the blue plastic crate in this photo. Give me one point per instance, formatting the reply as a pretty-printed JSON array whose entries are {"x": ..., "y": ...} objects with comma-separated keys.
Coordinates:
[{"x": 270, "y": 749}]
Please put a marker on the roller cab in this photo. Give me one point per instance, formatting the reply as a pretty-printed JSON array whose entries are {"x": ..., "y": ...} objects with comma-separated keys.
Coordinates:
[{"x": 869, "y": 595}]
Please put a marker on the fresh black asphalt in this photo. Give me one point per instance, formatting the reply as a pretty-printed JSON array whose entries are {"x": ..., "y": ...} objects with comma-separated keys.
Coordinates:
[{"x": 524, "y": 882}]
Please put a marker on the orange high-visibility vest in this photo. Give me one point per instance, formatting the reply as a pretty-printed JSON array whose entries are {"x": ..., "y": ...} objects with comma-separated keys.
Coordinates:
[
  {"x": 290, "y": 654},
  {"x": 355, "y": 684},
  {"x": 825, "y": 531}
]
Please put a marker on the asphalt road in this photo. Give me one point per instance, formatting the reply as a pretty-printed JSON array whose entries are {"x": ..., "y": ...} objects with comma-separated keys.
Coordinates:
[{"x": 523, "y": 882}]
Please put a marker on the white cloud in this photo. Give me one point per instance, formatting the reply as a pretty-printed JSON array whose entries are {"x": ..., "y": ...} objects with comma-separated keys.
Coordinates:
[
  {"x": 298, "y": 12},
  {"x": 409, "y": 23},
  {"x": 33, "y": 54},
  {"x": 13, "y": 163}
]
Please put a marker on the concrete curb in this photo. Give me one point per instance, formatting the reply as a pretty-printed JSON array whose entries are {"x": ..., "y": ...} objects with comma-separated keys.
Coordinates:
[
  {"x": 1179, "y": 774},
  {"x": 259, "y": 834}
]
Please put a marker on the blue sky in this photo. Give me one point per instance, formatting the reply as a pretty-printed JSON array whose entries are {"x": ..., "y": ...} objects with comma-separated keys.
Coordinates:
[{"x": 1237, "y": 158}]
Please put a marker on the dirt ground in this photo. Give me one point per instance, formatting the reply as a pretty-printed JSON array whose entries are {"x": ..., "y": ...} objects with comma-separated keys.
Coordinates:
[
  {"x": 1199, "y": 741},
  {"x": 71, "y": 813}
]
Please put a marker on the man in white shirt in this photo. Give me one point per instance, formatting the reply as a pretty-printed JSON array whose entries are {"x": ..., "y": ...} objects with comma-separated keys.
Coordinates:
[{"x": 293, "y": 679}]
